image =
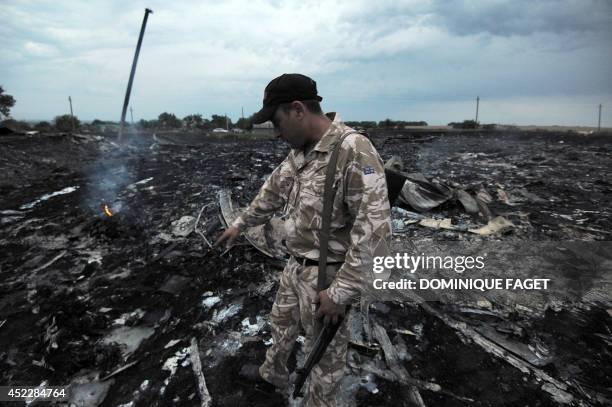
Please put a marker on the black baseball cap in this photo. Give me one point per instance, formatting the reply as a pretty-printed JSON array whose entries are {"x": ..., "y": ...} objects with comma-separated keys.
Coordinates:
[{"x": 285, "y": 89}]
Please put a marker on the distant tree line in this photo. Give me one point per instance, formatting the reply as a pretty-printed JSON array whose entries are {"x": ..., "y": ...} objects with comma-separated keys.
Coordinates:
[
  {"x": 6, "y": 102},
  {"x": 466, "y": 124},
  {"x": 471, "y": 124},
  {"x": 63, "y": 123},
  {"x": 385, "y": 124},
  {"x": 195, "y": 122},
  {"x": 66, "y": 123}
]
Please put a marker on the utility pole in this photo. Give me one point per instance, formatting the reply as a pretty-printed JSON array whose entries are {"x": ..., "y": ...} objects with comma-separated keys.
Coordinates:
[
  {"x": 132, "y": 115},
  {"x": 226, "y": 123},
  {"x": 242, "y": 112},
  {"x": 477, "y": 103},
  {"x": 599, "y": 121},
  {"x": 126, "y": 102},
  {"x": 72, "y": 114}
]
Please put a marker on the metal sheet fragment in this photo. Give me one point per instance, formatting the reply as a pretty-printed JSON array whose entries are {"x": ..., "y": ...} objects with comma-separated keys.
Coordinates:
[{"x": 266, "y": 238}]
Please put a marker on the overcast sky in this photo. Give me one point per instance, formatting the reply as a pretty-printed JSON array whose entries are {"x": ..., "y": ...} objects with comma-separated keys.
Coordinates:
[{"x": 531, "y": 61}]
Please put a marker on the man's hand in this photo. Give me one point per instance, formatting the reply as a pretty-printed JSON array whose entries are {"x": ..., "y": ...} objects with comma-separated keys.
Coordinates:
[
  {"x": 230, "y": 234},
  {"x": 328, "y": 310}
]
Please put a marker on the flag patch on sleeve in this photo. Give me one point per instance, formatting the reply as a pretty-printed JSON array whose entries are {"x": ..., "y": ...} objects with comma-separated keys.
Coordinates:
[{"x": 368, "y": 170}]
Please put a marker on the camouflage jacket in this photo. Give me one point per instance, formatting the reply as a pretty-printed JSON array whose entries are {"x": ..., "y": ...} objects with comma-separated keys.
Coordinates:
[{"x": 361, "y": 218}]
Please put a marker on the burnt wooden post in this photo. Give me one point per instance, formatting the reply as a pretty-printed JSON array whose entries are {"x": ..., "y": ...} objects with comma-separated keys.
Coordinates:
[
  {"x": 126, "y": 102},
  {"x": 71, "y": 114}
]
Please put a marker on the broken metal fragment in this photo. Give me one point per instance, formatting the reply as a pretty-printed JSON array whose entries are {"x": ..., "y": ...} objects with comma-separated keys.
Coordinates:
[
  {"x": 557, "y": 389},
  {"x": 171, "y": 343},
  {"x": 424, "y": 195},
  {"x": 209, "y": 226},
  {"x": 401, "y": 374},
  {"x": 117, "y": 371},
  {"x": 88, "y": 391},
  {"x": 209, "y": 302},
  {"x": 468, "y": 202},
  {"x": 483, "y": 196},
  {"x": 64, "y": 191},
  {"x": 394, "y": 364},
  {"x": 267, "y": 238},
  {"x": 437, "y": 223},
  {"x": 183, "y": 226},
  {"x": 50, "y": 262},
  {"x": 518, "y": 348},
  {"x": 128, "y": 338},
  {"x": 421, "y": 194},
  {"x": 498, "y": 224},
  {"x": 196, "y": 364}
]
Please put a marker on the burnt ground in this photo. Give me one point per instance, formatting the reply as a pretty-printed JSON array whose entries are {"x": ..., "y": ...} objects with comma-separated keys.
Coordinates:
[{"x": 71, "y": 276}]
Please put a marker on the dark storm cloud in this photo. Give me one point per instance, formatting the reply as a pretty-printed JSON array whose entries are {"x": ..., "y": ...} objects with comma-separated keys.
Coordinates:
[
  {"x": 541, "y": 61},
  {"x": 523, "y": 17}
]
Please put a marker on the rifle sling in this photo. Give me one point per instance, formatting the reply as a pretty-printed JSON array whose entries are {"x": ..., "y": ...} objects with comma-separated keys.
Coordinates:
[
  {"x": 328, "y": 203},
  {"x": 323, "y": 334}
]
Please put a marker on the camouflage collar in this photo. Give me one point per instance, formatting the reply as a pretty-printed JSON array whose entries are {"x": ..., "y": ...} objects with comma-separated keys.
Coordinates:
[{"x": 330, "y": 137}]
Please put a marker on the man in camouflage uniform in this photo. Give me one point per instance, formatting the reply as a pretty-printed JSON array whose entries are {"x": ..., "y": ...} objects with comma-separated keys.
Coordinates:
[{"x": 360, "y": 227}]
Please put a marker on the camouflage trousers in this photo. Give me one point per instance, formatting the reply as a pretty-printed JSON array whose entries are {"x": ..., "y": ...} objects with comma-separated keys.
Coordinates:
[{"x": 294, "y": 303}]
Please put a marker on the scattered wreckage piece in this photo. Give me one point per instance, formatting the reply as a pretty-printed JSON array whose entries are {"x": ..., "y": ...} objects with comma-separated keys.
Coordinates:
[
  {"x": 416, "y": 191},
  {"x": 437, "y": 223},
  {"x": 518, "y": 348},
  {"x": 401, "y": 219},
  {"x": 88, "y": 390},
  {"x": 499, "y": 224},
  {"x": 556, "y": 389},
  {"x": 398, "y": 370},
  {"x": 208, "y": 227},
  {"x": 266, "y": 238},
  {"x": 121, "y": 369},
  {"x": 401, "y": 374},
  {"x": 359, "y": 327},
  {"x": 64, "y": 191},
  {"x": 128, "y": 338},
  {"x": 469, "y": 203},
  {"x": 184, "y": 226},
  {"x": 422, "y": 195},
  {"x": 196, "y": 364},
  {"x": 111, "y": 255},
  {"x": 50, "y": 262}
]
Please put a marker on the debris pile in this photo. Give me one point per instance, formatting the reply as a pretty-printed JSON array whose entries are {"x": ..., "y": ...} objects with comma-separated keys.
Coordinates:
[{"x": 108, "y": 281}]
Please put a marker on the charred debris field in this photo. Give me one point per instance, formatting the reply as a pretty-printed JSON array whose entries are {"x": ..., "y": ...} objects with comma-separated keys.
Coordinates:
[{"x": 108, "y": 284}]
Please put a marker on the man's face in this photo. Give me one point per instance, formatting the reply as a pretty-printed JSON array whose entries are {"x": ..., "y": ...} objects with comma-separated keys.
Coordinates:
[{"x": 287, "y": 128}]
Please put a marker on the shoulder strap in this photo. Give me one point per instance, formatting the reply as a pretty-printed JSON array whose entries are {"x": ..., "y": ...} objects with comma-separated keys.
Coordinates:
[{"x": 328, "y": 202}]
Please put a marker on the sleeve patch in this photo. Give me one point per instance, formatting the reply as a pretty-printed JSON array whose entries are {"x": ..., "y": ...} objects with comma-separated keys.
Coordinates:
[{"x": 368, "y": 170}]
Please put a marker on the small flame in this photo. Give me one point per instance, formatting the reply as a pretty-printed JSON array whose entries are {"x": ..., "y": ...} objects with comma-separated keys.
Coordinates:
[{"x": 107, "y": 211}]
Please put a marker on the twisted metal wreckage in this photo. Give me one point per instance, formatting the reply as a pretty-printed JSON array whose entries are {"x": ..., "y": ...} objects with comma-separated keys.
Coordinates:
[
  {"x": 103, "y": 301},
  {"x": 420, "y": 194}
]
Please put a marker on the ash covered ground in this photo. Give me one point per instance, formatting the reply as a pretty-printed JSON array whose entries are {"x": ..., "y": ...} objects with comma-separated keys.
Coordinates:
[{"x": 83, "y": 294}]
